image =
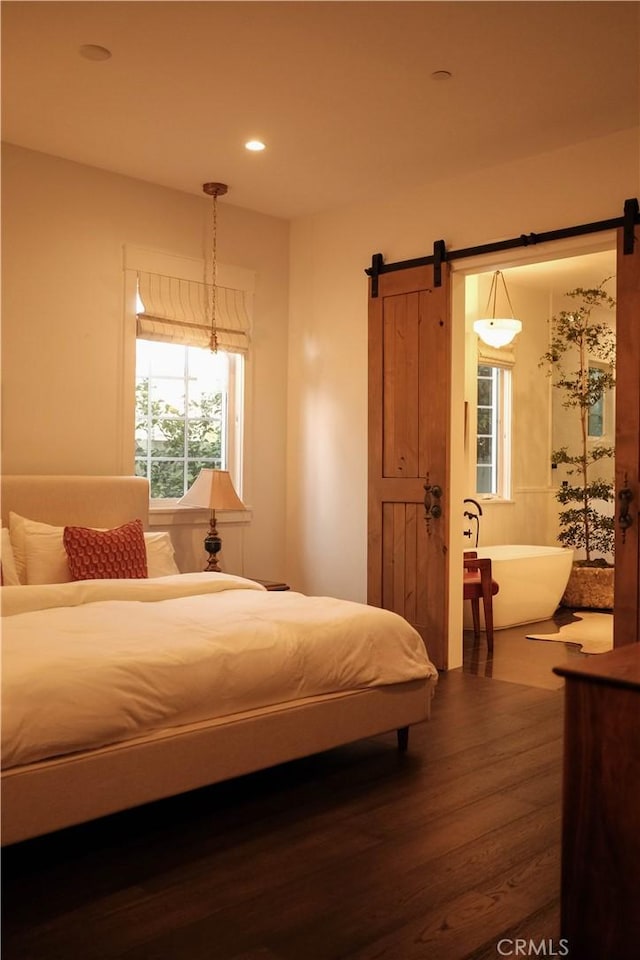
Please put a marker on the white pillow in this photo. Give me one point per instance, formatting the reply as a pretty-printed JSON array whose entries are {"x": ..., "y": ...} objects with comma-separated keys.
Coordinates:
[
  {"x": 38, "y": 545},
  {"x": 161, "y": 561},
  {"x": 40, "y": 556},
  {"x": 46, "y": 557},
  {"x": 7, "y": 561}
]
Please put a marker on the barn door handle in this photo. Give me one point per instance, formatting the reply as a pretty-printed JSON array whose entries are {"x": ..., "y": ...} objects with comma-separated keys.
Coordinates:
[
  {"x": 625, "y": 496},
  {"x": 432, "y": 509}
]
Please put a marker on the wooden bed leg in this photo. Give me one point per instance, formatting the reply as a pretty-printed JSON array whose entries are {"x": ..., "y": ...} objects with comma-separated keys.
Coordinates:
[{"x": 403, "y": 739}]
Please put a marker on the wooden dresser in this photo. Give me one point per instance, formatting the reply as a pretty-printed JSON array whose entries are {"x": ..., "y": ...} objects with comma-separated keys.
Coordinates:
[{"x": 601, "y": 806}]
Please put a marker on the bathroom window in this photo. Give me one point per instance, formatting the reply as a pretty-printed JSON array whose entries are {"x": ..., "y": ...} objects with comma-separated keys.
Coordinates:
[
  {"x": 595, "y": 427},
  {"x": 493, "y": 435}
]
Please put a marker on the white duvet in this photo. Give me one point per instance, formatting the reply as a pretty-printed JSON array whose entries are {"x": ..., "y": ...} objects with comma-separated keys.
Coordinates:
[{"x": 96, "y": 662}]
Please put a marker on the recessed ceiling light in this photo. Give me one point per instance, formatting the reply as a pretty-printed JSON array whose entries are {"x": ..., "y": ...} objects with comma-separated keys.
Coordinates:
[
  {"x": 255, "y": 145},
  {"x": 441, "y": 75},
  {"x": 92, "y": 51}
]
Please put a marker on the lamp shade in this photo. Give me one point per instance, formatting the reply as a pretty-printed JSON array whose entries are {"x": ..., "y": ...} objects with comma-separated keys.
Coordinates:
[
  {"x": 214, "y": 490},
  {"x": 497, "y": 332}
]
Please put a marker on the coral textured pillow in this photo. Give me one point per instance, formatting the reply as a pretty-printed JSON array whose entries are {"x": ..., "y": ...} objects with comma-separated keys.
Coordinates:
[{"x": 117, "y": 554}]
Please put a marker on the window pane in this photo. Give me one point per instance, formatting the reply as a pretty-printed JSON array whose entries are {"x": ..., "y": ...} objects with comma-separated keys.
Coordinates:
[
  {"x": 207, "y": 366},
  {"x": 205, "y": 440},
  {"x": 142, "y": 439},
  {"x": 167, "y": 478},
  {"x": 484, "y": 480},
  {"x": 168, "y": 394},
  {"x": 203, "y": 402},
  {"x": 596, "y": 428},
  {"x": 160, "y": 359},
  {"x": 195, "y": 466},
  {"x": 485, "y": 449},
  {"x": 168, "y": 438},
  {"x": 484, "y": 421},
  {"x": 485, "y": 393}
]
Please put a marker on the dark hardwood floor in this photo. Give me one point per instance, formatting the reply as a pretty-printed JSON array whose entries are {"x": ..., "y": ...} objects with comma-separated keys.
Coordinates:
[
  {"x": 519, "y": 660},
  {"x": 356, "y": 853}
]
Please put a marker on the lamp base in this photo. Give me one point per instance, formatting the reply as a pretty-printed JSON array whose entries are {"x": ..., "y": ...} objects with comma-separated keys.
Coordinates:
[{"x": 213, "y": 546}]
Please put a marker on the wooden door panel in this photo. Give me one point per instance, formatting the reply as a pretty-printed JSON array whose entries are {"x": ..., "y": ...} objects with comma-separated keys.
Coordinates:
[
  {"x": 410, "y": 587},
  {"x": 435, "y": 381},
  {"x": 409, "y": 399},
  {"x": 401, "y": 335},
  {"x": 627, "y": 549},
  {"x": 400, "y": 553},
  {"x": 411, "y": 533}
]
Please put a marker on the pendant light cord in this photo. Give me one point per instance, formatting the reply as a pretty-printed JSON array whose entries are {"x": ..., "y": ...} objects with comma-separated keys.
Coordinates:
[
  {"x": 213, "y": 190},
  {"x": 493, "y": 292}
]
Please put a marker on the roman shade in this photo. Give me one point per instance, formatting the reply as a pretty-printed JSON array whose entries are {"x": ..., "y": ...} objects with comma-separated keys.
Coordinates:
[
  {"x": 175, "y": 311},
  {"x": 496, "y": 356}
]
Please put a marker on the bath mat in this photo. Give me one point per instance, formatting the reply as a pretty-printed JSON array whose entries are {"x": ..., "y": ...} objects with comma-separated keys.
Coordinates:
[{"x": 593, "y": 631}]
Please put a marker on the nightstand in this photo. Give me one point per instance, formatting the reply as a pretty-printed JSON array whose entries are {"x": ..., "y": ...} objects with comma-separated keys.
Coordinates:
[{"x": 271, "y": 584}]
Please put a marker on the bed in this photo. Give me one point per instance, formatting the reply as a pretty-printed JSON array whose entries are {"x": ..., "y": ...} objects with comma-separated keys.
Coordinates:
[{"x": 118, "y": 692}]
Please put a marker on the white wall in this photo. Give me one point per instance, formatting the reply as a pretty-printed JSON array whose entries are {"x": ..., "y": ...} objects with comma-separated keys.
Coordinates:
[
  {"x": 327, "y": 423},
  {"x": 64, "y": 392},
  {"x": 64, "y": 226}
]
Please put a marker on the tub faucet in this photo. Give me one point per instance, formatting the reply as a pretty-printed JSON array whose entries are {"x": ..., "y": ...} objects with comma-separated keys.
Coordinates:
[{"x": 475, "y": 516}]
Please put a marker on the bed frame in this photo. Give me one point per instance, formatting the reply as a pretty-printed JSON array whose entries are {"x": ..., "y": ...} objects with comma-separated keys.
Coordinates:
[{"x": 41, "y": 797}]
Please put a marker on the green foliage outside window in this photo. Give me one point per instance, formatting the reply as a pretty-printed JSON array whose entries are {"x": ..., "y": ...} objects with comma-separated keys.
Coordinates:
[{"x": 172, "y": 447}]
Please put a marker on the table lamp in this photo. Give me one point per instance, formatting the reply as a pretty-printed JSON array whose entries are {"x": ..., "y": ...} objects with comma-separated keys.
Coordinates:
[{"x": 214, "y": 490}]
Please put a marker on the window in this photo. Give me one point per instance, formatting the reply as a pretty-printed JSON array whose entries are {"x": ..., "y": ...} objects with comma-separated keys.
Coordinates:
[
  {"x": 189, "y": 399},
  {"x": 595, "y": 425},
  {"x": 187, "y": 404},
  {"x": 493, "y": 440}
]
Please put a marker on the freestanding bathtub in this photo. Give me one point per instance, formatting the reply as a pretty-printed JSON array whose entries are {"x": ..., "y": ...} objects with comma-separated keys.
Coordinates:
[{"x": 531, "y": 579}]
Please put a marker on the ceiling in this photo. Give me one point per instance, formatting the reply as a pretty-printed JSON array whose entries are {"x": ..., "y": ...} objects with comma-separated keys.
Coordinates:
[{"x": 342, "y": 93}]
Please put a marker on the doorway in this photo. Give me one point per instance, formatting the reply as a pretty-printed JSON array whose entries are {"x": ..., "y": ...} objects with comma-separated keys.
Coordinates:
[
  {"x": 444, "y": 429},
  {"x": 509, "y": 439}
]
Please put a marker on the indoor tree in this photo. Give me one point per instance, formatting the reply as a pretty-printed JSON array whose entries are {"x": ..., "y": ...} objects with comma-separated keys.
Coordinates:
[{"x": 578, "y": 338}]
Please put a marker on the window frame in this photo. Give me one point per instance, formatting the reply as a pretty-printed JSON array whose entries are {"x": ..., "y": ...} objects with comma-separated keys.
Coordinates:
[
  {"x": 136, "y": 259},
  {"x": 502, "y": 429},
  {"x": 232, "y": 417}
]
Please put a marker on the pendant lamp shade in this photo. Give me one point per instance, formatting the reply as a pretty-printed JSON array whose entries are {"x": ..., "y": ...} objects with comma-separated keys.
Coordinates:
[{"x": 497, "y": 331}]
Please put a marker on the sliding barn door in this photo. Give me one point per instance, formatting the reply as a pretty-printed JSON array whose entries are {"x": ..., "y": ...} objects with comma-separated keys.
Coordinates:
[
  {"x": 627, "y": 555},
  {"x": 409, "y": 403}
]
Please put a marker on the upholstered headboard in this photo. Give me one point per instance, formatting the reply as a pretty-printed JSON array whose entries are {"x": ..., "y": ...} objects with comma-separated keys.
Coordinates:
[{"x": 81, "y": 501}]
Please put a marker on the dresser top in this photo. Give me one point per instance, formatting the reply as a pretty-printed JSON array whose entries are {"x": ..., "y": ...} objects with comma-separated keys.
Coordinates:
[{"x": 620, "y": 667}]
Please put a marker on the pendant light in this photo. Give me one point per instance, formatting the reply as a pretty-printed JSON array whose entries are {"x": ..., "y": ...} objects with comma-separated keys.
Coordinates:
[{"x": 497, "y": 331}]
